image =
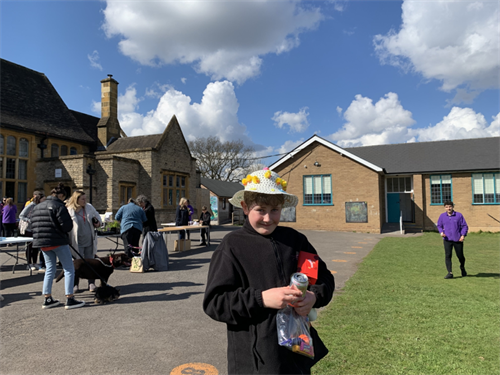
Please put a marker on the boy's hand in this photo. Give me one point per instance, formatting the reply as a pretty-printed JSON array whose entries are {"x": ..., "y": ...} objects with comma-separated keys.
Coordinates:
[
  {"x": 279, "y": 298},
  {"x": 303, "y": 306}
]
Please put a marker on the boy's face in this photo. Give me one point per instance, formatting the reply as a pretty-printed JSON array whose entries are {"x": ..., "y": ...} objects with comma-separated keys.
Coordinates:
[{"x": 263, "y": 218}]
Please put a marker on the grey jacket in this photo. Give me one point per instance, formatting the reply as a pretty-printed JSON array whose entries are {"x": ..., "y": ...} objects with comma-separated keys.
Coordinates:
[{"x": 154, "y": 252}]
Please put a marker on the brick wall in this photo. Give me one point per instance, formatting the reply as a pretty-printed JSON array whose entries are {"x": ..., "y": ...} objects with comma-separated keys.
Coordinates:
[
  {"x": 351, "y": 182},
  {"x": 478, "y": 217}
]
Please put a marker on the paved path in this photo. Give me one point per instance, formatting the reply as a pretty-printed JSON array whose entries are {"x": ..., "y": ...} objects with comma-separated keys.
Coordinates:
[{"x": 156, "y": 326}]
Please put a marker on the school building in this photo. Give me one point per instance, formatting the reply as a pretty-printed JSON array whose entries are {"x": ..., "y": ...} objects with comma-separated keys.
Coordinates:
[{"x": 377, "y": 188}]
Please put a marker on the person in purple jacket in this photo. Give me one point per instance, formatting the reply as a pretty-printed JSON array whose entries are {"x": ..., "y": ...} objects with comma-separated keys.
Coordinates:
[{"x": 453, "y": 229}]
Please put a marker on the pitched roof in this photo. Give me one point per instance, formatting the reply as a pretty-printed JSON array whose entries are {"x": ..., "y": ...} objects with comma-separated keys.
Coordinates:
[
  {"x": 87, "y": 122},
  {"x": 132, "y": 143},
  {"x": 224, "y": 189},
  {"x": 30, "y": 103},
  {"x": 432, "y": 157},
  {"x": 330, "y": 145}
]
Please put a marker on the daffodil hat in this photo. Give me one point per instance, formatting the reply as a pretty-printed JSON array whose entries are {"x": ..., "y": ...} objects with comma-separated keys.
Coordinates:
[{"x": 264, "y": 181}]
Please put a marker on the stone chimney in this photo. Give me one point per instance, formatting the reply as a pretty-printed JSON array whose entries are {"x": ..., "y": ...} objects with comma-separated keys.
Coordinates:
[{"x": 108, "y": 125}]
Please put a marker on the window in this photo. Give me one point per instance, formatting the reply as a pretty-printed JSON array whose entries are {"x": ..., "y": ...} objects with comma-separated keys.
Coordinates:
[
  {"x": 175, "y": 186},
  {"x": 14, "y": 166},
  {"x": 399, "y": 185},
  {"x": 11, "y": 145},
  {"x": 486, "y": 188},
  {"x": 54, "y": 150},
  {"x": 440, "y": 189},
  {"x": 72, "y": 151},
  {"x": 127, "y": 191},
  {"x": 64, "y": 150},
  {"x": 318, "y": 190},
  {"x": 23, "y": 147}
]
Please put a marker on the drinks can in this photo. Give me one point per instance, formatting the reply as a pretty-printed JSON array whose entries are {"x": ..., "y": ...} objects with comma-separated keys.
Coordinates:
[{"x": 301, "y": 281}]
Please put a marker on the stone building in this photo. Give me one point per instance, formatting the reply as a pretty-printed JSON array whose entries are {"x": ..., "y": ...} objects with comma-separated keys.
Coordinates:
[
  {"x": 43, "y": 143},
  {"x": 373, "y": 188},
  {"x": 220, "y": 193}
]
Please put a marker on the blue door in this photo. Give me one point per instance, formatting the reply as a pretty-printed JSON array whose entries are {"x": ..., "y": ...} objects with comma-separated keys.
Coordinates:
[{"x": 393, "y": 208}]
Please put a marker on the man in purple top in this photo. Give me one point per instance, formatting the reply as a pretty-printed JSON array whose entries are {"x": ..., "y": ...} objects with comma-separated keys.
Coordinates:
[{"x": 453, "y": 229}]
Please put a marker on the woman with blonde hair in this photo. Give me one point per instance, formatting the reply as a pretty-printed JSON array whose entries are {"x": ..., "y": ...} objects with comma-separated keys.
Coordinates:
[
  {"x": 83, "y": 237},
  {"x": 182, "y": 216}
]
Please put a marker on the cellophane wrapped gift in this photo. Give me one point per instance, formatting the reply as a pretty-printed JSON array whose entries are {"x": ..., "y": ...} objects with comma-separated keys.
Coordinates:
[{"x": 293, "y": 332}]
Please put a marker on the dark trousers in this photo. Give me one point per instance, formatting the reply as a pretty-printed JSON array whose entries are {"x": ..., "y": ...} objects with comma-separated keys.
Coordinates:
[
  {"x": 9, "y": 229},
  {"x": 31, "y": 252},
  {"x": 448, "y": 251},
  {"x": 203, "y": 234},
  {"x": 131, "y": 237}
]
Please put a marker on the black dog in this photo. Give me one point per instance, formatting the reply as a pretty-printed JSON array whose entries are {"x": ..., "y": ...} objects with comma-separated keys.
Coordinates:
[
  {"x": 105, "y": 294},
  {"x": 104, "y": 267}
]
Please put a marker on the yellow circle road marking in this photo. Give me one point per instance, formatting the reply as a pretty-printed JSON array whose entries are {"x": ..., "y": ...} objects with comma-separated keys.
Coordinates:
[
  {"x": 356, "y": 247},
  {"x": 349, "y": 252},
  {"x": 195, "y": 368},
  {"x": 339, "y": 260},
  {"x": 333, "y": 271}
]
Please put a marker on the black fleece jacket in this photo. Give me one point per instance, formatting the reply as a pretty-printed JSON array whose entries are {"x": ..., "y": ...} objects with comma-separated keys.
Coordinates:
[
  {"x": 150, "y": 225},
  {"x": 50, "y": 223},
  {"x": 244, "y": 265}
]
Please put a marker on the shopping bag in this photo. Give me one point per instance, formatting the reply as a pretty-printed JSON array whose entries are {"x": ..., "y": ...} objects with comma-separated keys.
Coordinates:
[
  {"x": 308, "y": 264},
  {"x": 293, "y": 332},
  {"x": 23, "y": 225},
  {"x": 136, "y": 265}
]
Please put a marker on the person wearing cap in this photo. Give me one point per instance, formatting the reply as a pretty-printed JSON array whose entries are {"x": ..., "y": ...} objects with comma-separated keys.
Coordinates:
[{"x": 249, "y": 277}]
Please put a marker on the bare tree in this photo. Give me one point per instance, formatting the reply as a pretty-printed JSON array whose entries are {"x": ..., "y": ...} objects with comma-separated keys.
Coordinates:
[{"x": 220, "y": 160}]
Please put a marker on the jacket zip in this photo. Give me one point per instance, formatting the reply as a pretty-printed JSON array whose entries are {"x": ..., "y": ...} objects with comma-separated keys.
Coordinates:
[
  {"x": 282, "y": 272},
  {"x": 280, "y": 263}
]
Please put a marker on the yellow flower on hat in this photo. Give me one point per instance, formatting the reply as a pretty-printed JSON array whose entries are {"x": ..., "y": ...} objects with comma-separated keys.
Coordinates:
[
  {"x": 284, "y": 184},
  {"x": 267, "y": 174},
  {"x": 255, "y": 180},
  {"x": 249, "y": 177},
  {"x": 244, "y": 182},
  {"x": 278, "y": 180}
]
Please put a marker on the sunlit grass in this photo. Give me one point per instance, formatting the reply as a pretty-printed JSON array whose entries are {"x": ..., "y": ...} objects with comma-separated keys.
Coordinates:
[{"x": 398, "y": 315}]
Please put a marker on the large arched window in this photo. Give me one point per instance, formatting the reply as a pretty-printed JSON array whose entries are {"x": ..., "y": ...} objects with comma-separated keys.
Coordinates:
[
  {"x": 64, "y": 150},
  {"x": 54, "y": 150},
  {"x": 72, "y": 151}
]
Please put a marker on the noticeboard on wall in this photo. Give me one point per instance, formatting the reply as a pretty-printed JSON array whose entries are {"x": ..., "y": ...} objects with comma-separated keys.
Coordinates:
[
  {"x": 288, "y": 215},
  {"x": 356, "y": 212}
]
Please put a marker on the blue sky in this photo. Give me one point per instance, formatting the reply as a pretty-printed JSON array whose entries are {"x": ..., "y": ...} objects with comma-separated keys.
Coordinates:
[{"x": 271, "y": 73}]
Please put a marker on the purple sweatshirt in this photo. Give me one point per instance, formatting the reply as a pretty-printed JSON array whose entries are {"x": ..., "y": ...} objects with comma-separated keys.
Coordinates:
[
  {"x": 9, "y": 214},
  {"x": 453, "y": 226}
]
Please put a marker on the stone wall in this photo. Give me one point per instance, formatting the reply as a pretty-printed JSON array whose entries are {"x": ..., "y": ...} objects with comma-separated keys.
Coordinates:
[{"x": 351, "y": 182}]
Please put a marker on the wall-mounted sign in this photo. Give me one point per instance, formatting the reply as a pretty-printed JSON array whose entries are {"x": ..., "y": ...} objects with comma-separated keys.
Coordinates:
[
  {"x": 58, "y": 172},
  {"x": 356, "y": 212}
]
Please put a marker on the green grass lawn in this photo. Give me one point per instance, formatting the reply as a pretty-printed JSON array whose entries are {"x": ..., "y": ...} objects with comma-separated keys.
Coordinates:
[{"x": 398, "y": 315}]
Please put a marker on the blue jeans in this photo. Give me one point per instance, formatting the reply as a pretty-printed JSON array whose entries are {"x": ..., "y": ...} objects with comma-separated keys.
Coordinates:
[{"x": 64, "y": 254}]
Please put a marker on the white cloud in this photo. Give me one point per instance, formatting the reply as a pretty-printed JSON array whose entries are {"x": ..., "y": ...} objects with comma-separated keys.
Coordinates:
[
  {"x": 289, "y": 146},
  {"x": 339, "y": 110},
  {"x": 367, "y": 123},
  {"x": 216, "y": 114},
  {"x": 184, "y": 80},
  {"x": 94, "y": 60},
  {"x": 460, "y": 123},
  {"x": 388, "y": 122},
  {"x": 456, "y": 43},
  {"x": 221, "y": 39},
  {"x": 297, "y": 121}
]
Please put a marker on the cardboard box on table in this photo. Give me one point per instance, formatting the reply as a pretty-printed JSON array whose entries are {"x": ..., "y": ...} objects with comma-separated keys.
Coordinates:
[{"x": 181, "y": 245}]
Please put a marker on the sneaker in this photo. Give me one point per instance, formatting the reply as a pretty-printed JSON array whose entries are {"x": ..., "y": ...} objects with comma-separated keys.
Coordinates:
[
  {"x": 92, "y": 287},
  {"x": 32, "y": 267},
  {"x": 449, "y": 276},
  {"x": 72, "y": 303},
  {"x": 464, "y": 272},
  {"x": 50, "y": 302},
  {"x": 42, "y": 269}
]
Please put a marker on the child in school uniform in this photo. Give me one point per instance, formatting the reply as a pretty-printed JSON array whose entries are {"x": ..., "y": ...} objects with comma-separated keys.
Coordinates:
[{"x": 249, "y": 278}]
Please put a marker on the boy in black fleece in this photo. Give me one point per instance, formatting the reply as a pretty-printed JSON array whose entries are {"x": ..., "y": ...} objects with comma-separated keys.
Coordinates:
[{"x": 249, "y": 277}]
